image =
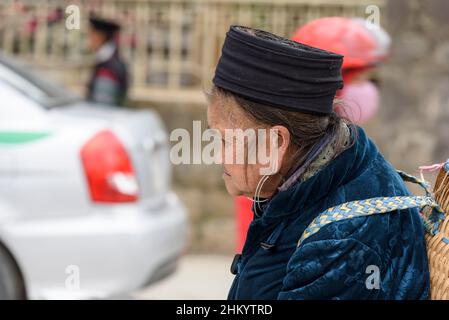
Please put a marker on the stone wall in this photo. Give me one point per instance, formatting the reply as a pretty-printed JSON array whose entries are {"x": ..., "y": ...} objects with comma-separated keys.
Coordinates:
[{"x": 412, "y": 127}]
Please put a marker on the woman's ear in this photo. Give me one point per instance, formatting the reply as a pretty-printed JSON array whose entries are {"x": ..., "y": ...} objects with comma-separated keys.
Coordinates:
[
  {"x": 279, "y": 141},
  {"x": 284, "y": 138}
]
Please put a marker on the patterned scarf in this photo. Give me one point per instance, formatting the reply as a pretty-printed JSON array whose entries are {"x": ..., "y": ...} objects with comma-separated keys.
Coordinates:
[{"x": 323, "y": 153}]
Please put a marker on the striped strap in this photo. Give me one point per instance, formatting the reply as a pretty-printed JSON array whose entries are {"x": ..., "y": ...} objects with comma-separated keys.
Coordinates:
[
  {"x": 372, "y": 206},
  {"x": 409, "y": 178}
]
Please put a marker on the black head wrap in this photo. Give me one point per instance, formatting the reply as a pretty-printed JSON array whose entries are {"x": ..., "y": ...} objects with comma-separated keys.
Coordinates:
[{"x": 278, "y": 72}]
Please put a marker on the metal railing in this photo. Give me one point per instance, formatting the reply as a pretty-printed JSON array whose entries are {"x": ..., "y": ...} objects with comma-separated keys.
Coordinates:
[{"x": 168, "y": 44}]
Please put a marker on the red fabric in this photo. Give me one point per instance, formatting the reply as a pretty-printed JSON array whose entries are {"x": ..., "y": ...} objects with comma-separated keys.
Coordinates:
[
  {"x": 244, "y": 216},
  {"x": 340, "y": 35},
  {"x": 106, "y": 73}
]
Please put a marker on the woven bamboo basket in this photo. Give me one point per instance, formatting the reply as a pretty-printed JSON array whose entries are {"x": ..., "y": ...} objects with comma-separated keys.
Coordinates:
[{"x": 438, "y": 245}]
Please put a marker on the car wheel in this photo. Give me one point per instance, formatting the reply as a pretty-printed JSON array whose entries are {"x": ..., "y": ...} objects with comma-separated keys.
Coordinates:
[{"x": 11, "y": 283}]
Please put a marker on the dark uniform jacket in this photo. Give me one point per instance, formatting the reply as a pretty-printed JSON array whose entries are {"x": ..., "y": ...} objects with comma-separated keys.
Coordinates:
[{"x": 109, "y": 81}]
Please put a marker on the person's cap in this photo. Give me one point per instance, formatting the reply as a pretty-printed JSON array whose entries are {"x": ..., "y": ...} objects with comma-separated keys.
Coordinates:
[
  {"x": 278, "y": 72},
  {"x": 106, "y": 26}
]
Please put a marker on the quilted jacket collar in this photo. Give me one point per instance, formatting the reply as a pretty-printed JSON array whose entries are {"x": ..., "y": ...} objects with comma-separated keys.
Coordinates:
[{"x": 344, "y": 168}]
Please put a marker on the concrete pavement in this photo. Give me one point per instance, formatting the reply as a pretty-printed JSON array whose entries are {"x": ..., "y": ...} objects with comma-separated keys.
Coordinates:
[{"x": 198, "y": 277}]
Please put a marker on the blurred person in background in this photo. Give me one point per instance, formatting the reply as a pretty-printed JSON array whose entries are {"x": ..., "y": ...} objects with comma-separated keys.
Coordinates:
[
  {"x": 109, "y": 80},
  {"x": 56, "y": 15},
  {"x": 365, "y": 46},
  {"x": 30, "y": 27},
  {"x": 265, "y": 82}
]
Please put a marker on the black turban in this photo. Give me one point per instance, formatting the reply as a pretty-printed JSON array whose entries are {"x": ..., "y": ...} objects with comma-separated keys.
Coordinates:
[{"x": 278, "y": 72}]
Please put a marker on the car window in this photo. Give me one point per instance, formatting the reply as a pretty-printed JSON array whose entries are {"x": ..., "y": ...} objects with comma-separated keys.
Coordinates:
[
  {"x": 17, "y": 111},
  {"x": 37, "y": 88}
]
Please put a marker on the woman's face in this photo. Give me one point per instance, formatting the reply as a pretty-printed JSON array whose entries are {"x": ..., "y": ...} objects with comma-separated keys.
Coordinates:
[
  {"x": 95, "y": 39},
  {"x": 225, "y": 116}
]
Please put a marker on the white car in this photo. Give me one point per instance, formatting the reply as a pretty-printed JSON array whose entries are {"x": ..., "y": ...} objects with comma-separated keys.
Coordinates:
[{"x": 86, "y": 207}]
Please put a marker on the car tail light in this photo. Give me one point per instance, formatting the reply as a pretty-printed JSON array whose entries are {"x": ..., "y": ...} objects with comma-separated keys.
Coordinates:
[{"x": 108, "y": 169}]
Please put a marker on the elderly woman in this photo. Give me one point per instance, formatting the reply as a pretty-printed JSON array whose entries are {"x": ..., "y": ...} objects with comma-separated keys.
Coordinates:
[{"x": 263, "y": 81}]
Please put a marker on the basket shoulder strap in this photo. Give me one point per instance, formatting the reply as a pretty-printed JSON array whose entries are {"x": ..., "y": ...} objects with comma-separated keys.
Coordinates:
[{"x": 365, "y": 207}]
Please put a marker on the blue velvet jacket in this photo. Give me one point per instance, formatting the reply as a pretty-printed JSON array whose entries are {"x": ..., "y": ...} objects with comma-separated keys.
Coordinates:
[{"x": 337, "y": 262}]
